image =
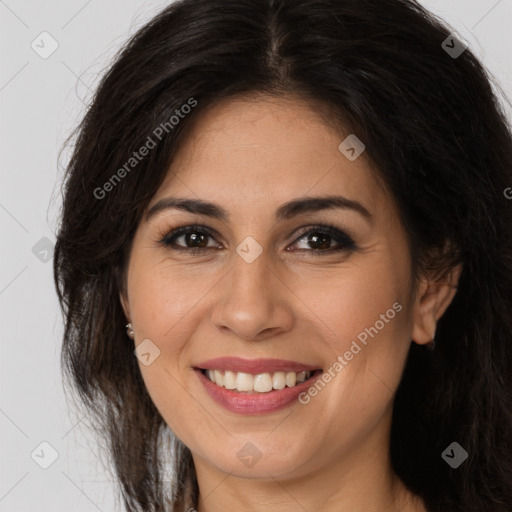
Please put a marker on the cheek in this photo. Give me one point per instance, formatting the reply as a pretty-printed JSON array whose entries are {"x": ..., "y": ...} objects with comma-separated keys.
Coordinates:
[
  {"x": 161, "y": 298},
  {"x": 357, "y": 301},
  {"x": 363, "y": 317},
  {"x": 162, "y": 303}
]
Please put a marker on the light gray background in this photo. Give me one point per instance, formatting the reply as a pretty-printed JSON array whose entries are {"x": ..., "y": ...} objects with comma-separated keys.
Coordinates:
[{"x": 41, "y": 100}]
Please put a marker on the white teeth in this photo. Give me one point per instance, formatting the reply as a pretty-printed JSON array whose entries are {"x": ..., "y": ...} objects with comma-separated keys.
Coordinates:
[
  {"x": 263, "y": 382},
  {"x": 244, "y": 381},
  {"x": 229, "y": 380},
  {"x": 278, "y": 380},
  {"x": 219, "y": 378},
  {"x": 301, "y": 377},
  {"x": 291, "y": 379},
  {"x": 260, "y": 383}
]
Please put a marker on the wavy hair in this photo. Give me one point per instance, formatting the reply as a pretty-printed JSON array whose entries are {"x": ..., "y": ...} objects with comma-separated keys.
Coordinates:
[{"x": 437, "y": 132}]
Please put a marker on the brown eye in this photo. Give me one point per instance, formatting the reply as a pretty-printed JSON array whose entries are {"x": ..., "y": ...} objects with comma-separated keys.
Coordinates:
[
  {"x": 319, "y": 239},
  {"x": 194, "y": 238}
]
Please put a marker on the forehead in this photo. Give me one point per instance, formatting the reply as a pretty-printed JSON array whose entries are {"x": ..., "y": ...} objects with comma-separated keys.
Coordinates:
[{"x": 257, "y": 151}]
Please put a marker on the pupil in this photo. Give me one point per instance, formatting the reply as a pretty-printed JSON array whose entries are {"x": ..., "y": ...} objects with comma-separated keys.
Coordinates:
[
  {"x": 324, "y": 244},
  {"x": 195, "y": 237}
]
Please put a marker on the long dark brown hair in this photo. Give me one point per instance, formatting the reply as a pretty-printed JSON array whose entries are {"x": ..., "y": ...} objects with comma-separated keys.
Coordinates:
[{"x": 435, "y": 129}]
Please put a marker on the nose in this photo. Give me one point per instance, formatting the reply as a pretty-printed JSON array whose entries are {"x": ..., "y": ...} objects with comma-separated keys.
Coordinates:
[{"x": 254, "y": 303}]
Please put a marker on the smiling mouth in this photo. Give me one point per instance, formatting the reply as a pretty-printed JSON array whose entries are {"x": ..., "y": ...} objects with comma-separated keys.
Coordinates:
[{"x": 258, "y": 383}]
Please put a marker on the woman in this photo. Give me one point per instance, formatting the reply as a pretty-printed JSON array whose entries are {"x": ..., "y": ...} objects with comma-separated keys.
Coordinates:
[{"x": 286, "y": 248}]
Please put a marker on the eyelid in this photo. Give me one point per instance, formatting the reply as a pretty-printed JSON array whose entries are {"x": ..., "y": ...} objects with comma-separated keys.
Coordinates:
[{"x": 325, "y": 227}]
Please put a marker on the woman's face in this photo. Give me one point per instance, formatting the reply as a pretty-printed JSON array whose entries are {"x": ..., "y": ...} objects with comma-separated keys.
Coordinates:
[{"x": 267, "y": 284}]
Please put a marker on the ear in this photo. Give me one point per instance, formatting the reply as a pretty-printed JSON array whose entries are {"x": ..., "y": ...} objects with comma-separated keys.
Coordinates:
[
  {"x": 432, "y": 300},
  {"x": 123, "y": 296},
  {"x": 125, "y": 304}
]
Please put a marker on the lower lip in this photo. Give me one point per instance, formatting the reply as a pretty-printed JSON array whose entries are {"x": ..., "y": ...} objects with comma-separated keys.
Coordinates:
[{"x": 255, "y": 403}]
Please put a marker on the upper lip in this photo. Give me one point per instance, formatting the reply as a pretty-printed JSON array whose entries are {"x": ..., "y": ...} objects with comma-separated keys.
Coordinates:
[{"x": 254, "y": 366}]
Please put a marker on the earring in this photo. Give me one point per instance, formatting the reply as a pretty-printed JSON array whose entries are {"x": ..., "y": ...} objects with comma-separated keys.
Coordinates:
[{"x": 129, "y": 331}]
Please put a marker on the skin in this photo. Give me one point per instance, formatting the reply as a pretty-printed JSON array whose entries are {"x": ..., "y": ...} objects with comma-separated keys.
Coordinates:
[{"x": 250, "y": 155}]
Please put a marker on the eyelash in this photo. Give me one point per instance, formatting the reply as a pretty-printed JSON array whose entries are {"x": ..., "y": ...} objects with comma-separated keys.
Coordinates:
[{"x": 345, "y": 241}]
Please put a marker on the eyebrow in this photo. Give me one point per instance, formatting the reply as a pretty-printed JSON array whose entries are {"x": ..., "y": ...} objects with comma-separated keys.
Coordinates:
[{"x": 286, "y": 211}]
